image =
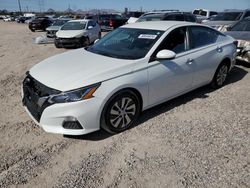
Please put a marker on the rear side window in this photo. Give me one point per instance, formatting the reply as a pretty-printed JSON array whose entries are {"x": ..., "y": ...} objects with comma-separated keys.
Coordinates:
[
  {"x": 247, "y": 14},
  {"x": 190, "y": 18},
  {"x": 202, "y": 36},
  {"x": 177, "y": 17},
  {"x": 213, "y": 13}
]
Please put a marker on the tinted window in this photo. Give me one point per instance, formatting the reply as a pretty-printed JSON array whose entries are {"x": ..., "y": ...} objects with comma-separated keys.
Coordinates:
[
  {"x": 213, "y": 13},
  {"x": 116, "y": 16},
  {"x": 177, "y": 17},
  {"x": 91, "y": 23},
  {"x": 201, "y": 36},
  {"x": 228, "y": 16},
  {"x": 242, "y": 26},
  {"x": 190, "y": 18},
  {"x": 175, "y": 41},
  {"x": 247, "y": 14}
]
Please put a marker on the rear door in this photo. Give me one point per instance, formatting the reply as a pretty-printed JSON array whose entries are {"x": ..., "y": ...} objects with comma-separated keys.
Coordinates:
[{"x": 206, "y": 52}]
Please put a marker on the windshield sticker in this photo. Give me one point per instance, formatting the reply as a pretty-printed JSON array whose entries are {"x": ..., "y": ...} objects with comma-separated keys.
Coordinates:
[{"x": 147, "y": 36}]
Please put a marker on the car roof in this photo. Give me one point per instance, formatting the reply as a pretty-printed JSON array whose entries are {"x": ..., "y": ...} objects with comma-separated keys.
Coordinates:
[
  {"x": 79, "y": 20},
  {"x": 158, "y": 25}
]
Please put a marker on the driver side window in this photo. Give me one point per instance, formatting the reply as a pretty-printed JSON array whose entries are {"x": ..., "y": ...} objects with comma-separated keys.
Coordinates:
[{"x": 175, "y": 41}]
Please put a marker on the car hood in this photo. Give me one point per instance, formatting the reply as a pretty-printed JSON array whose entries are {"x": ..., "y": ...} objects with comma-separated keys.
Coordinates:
[
  {"x": 78, "y": 68},
  {"x": 214, "y": 23},
  {"x": 53, "y": 28},
  {"x": 69, "y": 33},
  {"x": 239, "y": 35}
]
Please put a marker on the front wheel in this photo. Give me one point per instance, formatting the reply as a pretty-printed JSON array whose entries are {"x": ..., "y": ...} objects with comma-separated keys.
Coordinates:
[
  {"x": 120, "y": 112},
  {"x": 85, "y": 42},
  {"x": 220, "y": 76}
]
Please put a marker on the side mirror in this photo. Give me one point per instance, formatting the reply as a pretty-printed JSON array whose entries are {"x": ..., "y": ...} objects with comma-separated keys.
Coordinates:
[
  {"x": 90, "y": 27},
  {"x": 165, "y": 54},
  {"x": 96, "y": 41}
]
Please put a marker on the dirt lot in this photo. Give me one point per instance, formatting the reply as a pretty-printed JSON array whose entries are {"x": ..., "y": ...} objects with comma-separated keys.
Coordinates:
[{"x": 198, "y": 140}]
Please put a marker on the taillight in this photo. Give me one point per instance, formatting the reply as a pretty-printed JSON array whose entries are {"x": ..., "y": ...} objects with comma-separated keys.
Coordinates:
[
  {"x": 235, "y": 43},
  {"x": 111, "y": 24}
]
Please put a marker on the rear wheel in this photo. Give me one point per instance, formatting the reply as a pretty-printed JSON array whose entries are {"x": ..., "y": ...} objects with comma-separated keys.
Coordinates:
[
  {"x": 120, "y": 112},
  {"x": 220, "y": 76}
]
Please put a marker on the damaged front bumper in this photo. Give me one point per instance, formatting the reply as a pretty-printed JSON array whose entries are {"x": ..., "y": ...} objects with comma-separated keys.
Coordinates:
[{"x": 243, "y": 51}]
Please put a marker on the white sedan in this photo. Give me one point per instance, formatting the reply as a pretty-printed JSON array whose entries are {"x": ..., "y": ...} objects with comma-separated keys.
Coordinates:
[
  {"x": 131, "y": 69},
  {"x": 77, "y": 33}
]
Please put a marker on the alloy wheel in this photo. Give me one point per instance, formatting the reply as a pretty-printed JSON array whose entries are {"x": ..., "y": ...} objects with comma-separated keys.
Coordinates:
[
  {"x": 222, "y": 74},
  {"x": 122, "y": 113}
]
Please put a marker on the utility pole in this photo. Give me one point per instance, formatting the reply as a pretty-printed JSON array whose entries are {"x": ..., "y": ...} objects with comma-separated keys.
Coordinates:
[{"x": 19, "y": 4}]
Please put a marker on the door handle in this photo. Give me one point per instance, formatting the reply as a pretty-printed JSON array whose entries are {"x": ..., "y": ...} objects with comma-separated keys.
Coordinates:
[
  {"x": 189, "y": 61},
  {"x": 219, "y": 49}
]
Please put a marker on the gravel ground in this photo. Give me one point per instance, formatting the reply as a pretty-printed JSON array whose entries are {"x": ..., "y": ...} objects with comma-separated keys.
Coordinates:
[{"x": 200, "y": 139}]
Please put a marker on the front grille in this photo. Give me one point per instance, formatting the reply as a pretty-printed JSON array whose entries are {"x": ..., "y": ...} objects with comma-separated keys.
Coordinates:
[{"x": 36, "y": 96}]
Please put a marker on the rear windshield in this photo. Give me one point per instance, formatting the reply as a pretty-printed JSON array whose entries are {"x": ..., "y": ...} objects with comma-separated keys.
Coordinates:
[
  {"x": 227, "y": 16},
  {"x": 74, "y": 25},
  {"x": 150, "y": 17},
  {"x": 200, "y": 12}
]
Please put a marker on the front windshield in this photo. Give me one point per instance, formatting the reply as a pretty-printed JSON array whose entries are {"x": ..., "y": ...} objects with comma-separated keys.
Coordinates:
[
  {"x": 126, "y": 43},
  {"x": 59, "y": 22},
  {"x": 242, "y": 26},
  {"x": 150, "y": 17},
  {"x": 74, "y": 25},
  {"x": 227, "y": 16}
]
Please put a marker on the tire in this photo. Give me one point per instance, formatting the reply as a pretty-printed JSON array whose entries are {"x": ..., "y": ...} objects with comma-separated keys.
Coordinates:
[
  {"x": 57, "y": 45},
  {"x": 220, "y": 76},
  {"x": 120, "y": 112},
  {"x": 85, "y": 42}
]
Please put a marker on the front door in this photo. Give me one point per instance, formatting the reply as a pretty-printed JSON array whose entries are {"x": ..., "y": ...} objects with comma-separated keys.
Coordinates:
[{"x": 168, "y": 78}]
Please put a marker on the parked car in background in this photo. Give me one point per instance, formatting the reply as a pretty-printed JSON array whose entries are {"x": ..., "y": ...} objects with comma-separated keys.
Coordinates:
[
  {"x": 133, "y": 16},
  {"x": 56, "y": 25},
  {"x": 129, "y": 70},
  {"x": 40, "y": 23},
  {"x": 108, "y": 21},
  {"x": 203, "y": 14},
  {"x": 29, "y": 20},
  {"x": 227, "y": 18},
  {"x": 22, "y": 19},
  {"x": 177, "y": 16},
  {"x": 241, "y": 32},
  {"x": 77, "y": 33},
  {"x": 9, "y": 19}
]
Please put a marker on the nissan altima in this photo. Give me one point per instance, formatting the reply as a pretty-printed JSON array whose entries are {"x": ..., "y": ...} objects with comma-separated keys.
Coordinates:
[{"x": 129, "y": 70}]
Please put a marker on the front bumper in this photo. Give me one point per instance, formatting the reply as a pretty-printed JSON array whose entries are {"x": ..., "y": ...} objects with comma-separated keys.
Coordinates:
[
  {"x": 243, "y": 54},
  {"x": 68, "y": 42},
  {"x": 52, "y": 117},
  {"x": 85, "y": 112}
]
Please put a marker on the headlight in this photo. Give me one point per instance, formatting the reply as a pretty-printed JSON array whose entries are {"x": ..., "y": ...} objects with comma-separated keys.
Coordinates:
[{"x": 74, "y": 95}]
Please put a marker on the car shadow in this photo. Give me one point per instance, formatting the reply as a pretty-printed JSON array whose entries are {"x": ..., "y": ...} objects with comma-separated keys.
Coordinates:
[{"x": 236, "y": 75}]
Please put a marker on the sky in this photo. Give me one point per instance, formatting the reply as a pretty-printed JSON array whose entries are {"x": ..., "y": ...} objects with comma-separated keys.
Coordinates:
[{"x": 133, "y": 5}]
